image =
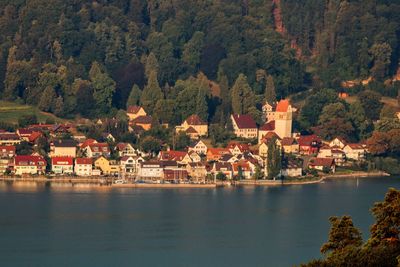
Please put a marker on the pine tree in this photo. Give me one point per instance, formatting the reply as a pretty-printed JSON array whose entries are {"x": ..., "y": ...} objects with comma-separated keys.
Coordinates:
[
  {"x": 242, "y": 95},
  {"x": 201, "y": 105},
  {"x": 270, "y": 94},
  {"x": 151, "y": 93},
  {"x": 134, "y": 96},
  {"x": 104, "y": 87},
  {"x": 59, "y": 106},
  {"x": 151, "y": 65},
  {"x": 224, "y": 94},
  {"x": 47, "y": 99}
]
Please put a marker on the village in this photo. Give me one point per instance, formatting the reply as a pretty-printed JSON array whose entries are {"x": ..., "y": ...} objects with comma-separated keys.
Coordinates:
[{"x": 295, "y": 156}]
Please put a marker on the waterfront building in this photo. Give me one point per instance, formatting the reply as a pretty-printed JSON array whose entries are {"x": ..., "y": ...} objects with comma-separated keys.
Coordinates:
[
  {"x": 7, "y": 151},
  {"x": 355, "y": 152},
  {"x": 96, "y": 150},
  {"x": 130, "y": 165},
  {"x": 290, "y": 145},
  {"x": 83, "y": 167},
  {"x": 197, "y": 171},
  {"x": 62, "y": 165},
  {"x": 29, "y": 165},
  {"x": 107, "y": 167},
  {"x": 222, "y": 167},
  {"x": 322, "y": 164},
  {"x": 309, "y": 144},
  {"x": 7, "y": 138},
  {"x": 292, "y": 167}
]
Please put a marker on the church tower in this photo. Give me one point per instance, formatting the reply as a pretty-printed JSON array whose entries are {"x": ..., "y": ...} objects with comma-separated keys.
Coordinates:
[{"x": 283, "y": 119}]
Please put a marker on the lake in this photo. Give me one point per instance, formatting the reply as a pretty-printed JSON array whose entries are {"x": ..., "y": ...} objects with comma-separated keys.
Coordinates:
[{"x": 246, "y": 226}]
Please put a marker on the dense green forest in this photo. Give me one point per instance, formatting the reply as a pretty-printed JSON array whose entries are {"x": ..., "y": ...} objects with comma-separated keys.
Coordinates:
[{"x": 92, "y": 58}]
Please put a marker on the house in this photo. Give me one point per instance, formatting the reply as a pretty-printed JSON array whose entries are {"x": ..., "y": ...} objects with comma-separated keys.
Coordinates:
[
  {"x": 130, "y": 165},
  {"x": 7, "y": 151},
  {"x": 58, "y": 130},
  {"x": 268, "y": 113},
  {"x": 263, "y": 148},
  {"x": 181, "y": 157},
  {"x": 142, "y": 121},
  {"x": 154, "y": 170},
  {"x": 175, "y": 175},
  {"x": 244, "y": 126},
  {"x": 83, "y": 166},
  {"x": 199, "y": 147},
  {"x": 338, "y": 142},
  {"x": 243, "y": 168},
  {"x": 96, "y": 150},
  {"x": 309, "y": 144},
  {"x": 197, "y": 171},
  {"x": 24, "y": 134},
  {"x": 29, "y": 165},
  {"x": 214, "y": 154},
  {"x": 292, "y": 167},
  {"x": 62, "y": 165},
  {"x": 290, "y": 145},
  {"x": 332, "y": 152},
  {"x": 222, "y": 167},
  {"x": 107, "y": 167},
  {"x": 63, "y": 148},
  {"x": 322, "y": 164},
  {"x": 194, "y": 156},
  {"x": 6, "y": 164},
  {"x": 34, "y": 137},
  {"x": 7, "y": 138},
  {"x": 268, "y": 127},
  {"x": 237, "y": 148},
  {"x": 125, "y": 149},
  {"x": 134, "y": 112},
  {"x": 355, "y": 151},
  {"x": 199, "y": 128},
  {"x": 87, "y": 142}
]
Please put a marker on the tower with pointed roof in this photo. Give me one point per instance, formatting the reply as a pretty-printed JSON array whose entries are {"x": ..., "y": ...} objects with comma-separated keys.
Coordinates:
[{"x": 283, "y": 119}]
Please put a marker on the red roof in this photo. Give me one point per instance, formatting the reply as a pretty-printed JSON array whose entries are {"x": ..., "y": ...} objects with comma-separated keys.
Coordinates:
[
  {"x": 34, "y": 136},
  {"x": 88, "y": 142},
  {"x": 288, "y": 141},
  {"x": 84, "y": 161},
  {"x": 195, "y": 120},
  {"x": 7, "y": 149},
  {"x": 242, "y": 147},
  {"x": 62, "y": 161},
  {"x": 307, "y": 140},
  {"x": 269, "y": 126},
  {"x": 25, "y": 160},
  {"x": 218, "y": 151},
  {"x": 244, "y": 164},
  {"x": 282, "y": 105},
  {"x": 356, "y": 146},
  {"x": 175, "y": 174},
  {"x": 244, "y": 121},
  {"x": 133, "y": 109},
  {"x": 9, "y": 136},
  {"x": 24, "y": 132},
  {"x": 172, "y": 155}
]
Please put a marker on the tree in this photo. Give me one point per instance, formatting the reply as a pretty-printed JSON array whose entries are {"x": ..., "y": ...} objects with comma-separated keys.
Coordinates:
[
  {"x": 221, "y": 176},
  {"x": 341, "y": 235},
  {"x": 59, "y": 106},
  {"x": 24, "y": 148},
  {"x": 150, "y": 144},
  {"x": 182, "y": 141},
  {"x": 151, "y": 93},
  {"x": 386, "y": 228},
  {"x": 332, "y": 111},
  {"x": 47, "y": 99},
  {"x": 274, "y": 159},
  {"x": 387, "y": 112},
  {"x": 134, "y": 96},
  {"x": 27, "y": 120},
  {"x": 242, "y": 95},
  {"x": 381, "y": 53},
  {"x": 258, "y": 174},
  {"x": 151, "y": 65},
  {"x": 379, "y": 143},
  {"x": 335, "y": 127},
  {"x": 104, "y": 87},
  {"x": 201, "y": 104},
  {"x": 270, "y": 94},
  {"x": 370, "y": 101},
  {"x": 84, "y": 97},
  {"x": 192, "y": 51}
]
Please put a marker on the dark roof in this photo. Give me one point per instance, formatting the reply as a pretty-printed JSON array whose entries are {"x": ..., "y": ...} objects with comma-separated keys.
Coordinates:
[
  {"x": 244, "y": 121},
  {"x": 287, "y": 141},
  {"x": 143, "y": 119},
  {"x": 307, "y": 140},
  {"x": 195, "y": 120},
  {"x": 269, "y": 126},
  {"x": 133, "y": 109},
  {"x": 64, "y": 143}
]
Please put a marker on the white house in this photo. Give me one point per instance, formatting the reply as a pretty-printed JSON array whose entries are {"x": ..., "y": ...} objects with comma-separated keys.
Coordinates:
[
  {"x": 199, "y": 147},
  {"x": 83, "y": 167}
]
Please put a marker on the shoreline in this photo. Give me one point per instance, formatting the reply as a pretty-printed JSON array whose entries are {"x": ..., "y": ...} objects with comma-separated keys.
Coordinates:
[{"x": 106, "y": 182}]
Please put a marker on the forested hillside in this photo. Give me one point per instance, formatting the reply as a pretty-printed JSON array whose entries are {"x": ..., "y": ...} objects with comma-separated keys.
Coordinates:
[{"x": 92, "y": 58}]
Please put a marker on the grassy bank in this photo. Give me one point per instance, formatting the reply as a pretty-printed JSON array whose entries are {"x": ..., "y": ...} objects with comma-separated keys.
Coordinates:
[{"x": 10, "y": 112}]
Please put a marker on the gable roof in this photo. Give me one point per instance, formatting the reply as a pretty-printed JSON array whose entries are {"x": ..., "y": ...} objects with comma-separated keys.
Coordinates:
[
  {"x": 62, "y": 161},
  {"x": 24, "y": 160},
  {"x": 99, "y": 147},
  {"x": 191, "y": 130},
  {"x": 307, "y": 140},
  {"x": 195, "y": 120},
  {"x": 172, "y": 155},
  {"x": 288, "y": 141},
  {"x": 282, "y": 105},
  {"x": 244, "y": 121},
  {"x": 324, "y": 162},
  {"x": 88, "y": 142},
  {"x": 34, "y": 136},
  {"x": 133, "y": 109},
  {"x": 84, "y": 161}
]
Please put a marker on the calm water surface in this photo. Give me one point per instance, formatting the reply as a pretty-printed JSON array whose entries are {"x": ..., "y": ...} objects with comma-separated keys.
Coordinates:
[{"x": 263, "y": 226}]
